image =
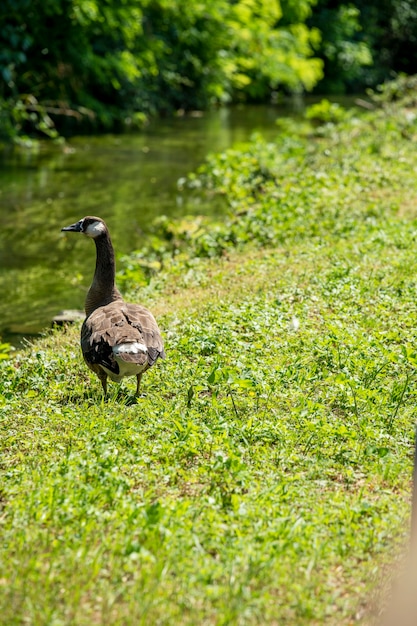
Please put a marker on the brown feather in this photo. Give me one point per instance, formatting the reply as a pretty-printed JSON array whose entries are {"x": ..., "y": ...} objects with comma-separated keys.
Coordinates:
[{"x": 121, "y": 323}]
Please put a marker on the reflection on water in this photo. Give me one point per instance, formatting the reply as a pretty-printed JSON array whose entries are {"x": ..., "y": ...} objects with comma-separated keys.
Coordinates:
[{"x": 128, "y": 180}]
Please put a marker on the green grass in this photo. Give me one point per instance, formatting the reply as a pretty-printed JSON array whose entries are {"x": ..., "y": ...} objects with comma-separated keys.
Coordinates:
[{"x": 264, "y": 478}]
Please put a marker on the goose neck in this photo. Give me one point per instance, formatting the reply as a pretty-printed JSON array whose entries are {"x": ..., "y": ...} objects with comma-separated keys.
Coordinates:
[
  {"x": 105, "y": 264},
  {"x": 103, "y": 289}
]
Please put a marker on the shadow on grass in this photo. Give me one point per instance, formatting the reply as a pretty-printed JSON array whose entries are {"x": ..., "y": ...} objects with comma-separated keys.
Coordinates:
[{"x": 94, "y": 395}]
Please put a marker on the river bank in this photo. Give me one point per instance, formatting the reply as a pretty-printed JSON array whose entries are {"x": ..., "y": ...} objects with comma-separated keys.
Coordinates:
[{"x": 264, "y": 477}]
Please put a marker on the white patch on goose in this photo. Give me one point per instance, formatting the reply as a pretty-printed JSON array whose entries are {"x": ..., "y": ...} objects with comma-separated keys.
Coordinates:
[
  {"x": 130, "y": 348},
  {"x": 95, "y": 229},
  {"x": 127, "y": 368}
]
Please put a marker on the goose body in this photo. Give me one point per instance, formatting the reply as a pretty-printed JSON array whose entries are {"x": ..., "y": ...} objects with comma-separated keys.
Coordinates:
[{"x": 118, "y": 339}]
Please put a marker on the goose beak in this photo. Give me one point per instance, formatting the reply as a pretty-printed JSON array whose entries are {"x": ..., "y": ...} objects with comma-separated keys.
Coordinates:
[{"x": 76, "y": 228}]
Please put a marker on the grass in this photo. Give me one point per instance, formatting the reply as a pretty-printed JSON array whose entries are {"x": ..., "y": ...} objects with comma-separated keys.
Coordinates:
[{"x": 264, "y": 477}]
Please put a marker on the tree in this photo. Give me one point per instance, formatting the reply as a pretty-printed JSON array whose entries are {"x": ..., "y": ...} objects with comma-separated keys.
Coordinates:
[
  {"x": 123, "y": 59},
  {"x": 364, "y": 42}
]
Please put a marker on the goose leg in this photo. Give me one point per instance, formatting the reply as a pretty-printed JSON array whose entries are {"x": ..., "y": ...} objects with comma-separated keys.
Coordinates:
[
  {"x": 103, "y": 379},
  {"x": 139, "y": 377}
]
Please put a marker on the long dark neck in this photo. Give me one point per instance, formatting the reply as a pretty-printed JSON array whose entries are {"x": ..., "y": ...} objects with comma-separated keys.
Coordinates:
[{"x": 103, "y": 289}]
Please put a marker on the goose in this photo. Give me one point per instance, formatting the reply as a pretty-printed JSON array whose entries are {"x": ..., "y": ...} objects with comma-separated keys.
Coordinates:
[{"x": 118, "y": 339}]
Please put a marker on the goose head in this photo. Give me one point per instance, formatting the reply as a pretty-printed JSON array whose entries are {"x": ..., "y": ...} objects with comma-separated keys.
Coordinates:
[{"x": 91, "y": 226}]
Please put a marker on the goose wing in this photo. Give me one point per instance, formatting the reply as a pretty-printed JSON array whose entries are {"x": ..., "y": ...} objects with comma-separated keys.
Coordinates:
[
  {"x": 144, "y": 322},
  {"x": 128, "y": 331}
]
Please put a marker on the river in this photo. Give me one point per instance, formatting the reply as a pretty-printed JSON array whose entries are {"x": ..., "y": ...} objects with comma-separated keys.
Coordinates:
[{"x": 128, "y": 180}]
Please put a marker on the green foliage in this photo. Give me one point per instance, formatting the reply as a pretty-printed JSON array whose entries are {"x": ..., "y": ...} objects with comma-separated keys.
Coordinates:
[
  {"x": 347, "y": 54},
  {"x": 85, "y": 64},
  {"x": 326, "y": 112},
  {"x": 401, "y": 92},
  {"x": 390, "y": 27},
  {"x": 5, "y": 350},
  {"x": 25, "y": 113},
  {"x": 118, "y": 62},
  {"x": 270, "y": 55},
  {"x": 364, "y": 42}
]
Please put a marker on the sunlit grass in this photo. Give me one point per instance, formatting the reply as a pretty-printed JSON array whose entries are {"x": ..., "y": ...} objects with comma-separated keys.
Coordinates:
[{"x": 264, "y": 476}]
